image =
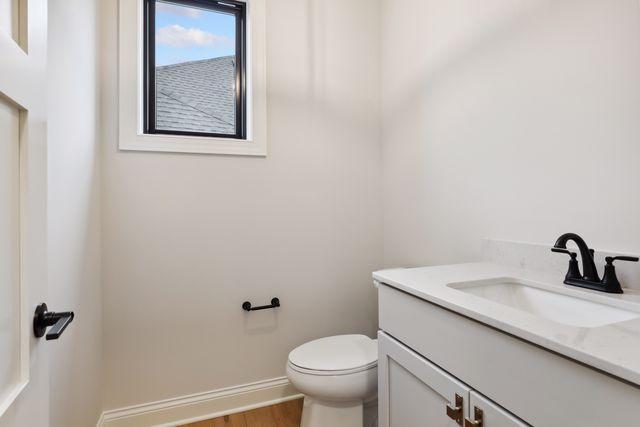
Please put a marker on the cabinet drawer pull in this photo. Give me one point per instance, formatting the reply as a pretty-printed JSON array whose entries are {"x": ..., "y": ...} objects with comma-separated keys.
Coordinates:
[
  {"x": 455, "y": 412},
  {"x": 477, "y": 415}
]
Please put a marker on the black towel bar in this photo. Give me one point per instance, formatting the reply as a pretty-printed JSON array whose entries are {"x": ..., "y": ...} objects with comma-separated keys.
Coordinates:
[{"x": 246, "y": 306}]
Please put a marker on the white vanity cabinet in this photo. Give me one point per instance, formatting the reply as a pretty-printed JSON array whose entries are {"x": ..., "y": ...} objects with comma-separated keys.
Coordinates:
[
  {"x": 429, "y": 354},
  {"x": 414, "y": 392}
]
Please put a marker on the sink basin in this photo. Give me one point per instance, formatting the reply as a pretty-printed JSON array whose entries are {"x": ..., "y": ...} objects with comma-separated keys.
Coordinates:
[{"x": 566, "y": 307}]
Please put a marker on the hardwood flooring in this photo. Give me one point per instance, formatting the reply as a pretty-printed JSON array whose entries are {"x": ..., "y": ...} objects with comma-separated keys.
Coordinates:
[{"x": 285, "y": 414}]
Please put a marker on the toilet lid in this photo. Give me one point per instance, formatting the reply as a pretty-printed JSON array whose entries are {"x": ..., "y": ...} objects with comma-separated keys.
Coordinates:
[{"x": 339, "y": 353}]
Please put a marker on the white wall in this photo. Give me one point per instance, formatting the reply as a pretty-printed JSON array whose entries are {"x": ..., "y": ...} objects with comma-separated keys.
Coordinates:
[
  {"x": 509, "y": 119},
  {"x": 74, "y": 212},
  {"x": 188, "y": 238}
]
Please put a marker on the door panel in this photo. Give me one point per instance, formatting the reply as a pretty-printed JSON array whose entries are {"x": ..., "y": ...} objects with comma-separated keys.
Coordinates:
[
  {"x": 10, "y": 342},
  {"x": 492, "y": 414},
  {"x": 9, "y": 17},
  {"x": 412, "y": 391}
]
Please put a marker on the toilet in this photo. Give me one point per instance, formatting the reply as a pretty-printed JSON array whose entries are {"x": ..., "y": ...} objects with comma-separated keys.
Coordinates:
[{"x": 337, "y": 375}]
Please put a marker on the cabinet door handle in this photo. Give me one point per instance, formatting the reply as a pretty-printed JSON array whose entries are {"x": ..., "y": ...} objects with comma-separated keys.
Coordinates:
[
  {"x": 455, "y": 412},
  {"x": 477, "y": 421}
]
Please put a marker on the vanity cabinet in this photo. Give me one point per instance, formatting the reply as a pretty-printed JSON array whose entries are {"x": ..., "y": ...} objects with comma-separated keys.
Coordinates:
[
  {"x": 428, "y": 354},
  {"x": 414, "y": 392}
]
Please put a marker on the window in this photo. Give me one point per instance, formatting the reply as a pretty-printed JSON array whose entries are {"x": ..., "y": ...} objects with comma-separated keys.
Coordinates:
[
  {"x": 249, "y": 122},
  {"x": 195, "y": 80}
]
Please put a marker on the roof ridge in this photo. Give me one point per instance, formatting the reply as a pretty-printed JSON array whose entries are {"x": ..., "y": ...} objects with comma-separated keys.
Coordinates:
[{"x": 194, "y": 61}]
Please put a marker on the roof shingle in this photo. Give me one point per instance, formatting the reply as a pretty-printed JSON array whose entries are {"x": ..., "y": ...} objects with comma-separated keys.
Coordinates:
[{"x": 197, "y": 96}]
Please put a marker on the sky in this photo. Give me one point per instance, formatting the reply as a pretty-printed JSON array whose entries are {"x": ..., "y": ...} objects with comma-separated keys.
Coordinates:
[{"x": 189, "y": 34}]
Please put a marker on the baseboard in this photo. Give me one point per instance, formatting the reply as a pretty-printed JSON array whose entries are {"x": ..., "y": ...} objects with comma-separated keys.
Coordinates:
[{"x": 201, "y": 406}]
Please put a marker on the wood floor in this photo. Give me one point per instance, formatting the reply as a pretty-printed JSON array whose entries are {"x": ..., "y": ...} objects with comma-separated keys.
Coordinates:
[{"x": 285, "y": 414}]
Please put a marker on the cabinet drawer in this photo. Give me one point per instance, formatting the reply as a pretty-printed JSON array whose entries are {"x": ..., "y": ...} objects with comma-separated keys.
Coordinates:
[{"x": 540, "y": 387}]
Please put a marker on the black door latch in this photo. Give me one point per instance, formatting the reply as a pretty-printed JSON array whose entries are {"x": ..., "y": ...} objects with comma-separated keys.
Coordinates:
[{"x": 44, "y": 318}]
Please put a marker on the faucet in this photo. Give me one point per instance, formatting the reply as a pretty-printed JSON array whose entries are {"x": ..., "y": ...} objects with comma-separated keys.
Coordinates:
[
  {"x": 589, "y": 269},
  {"x": 589, "y": 277}
]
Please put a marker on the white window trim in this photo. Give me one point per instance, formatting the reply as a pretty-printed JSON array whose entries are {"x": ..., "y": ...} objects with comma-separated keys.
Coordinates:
[{"x": 130, "y": 90}]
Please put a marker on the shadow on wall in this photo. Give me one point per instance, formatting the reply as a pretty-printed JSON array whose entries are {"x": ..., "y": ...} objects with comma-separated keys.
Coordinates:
[
  {"x": 260, "y": 322},
  {"x": 318, "y": 61},
  {"x": 460, "y": 51}
]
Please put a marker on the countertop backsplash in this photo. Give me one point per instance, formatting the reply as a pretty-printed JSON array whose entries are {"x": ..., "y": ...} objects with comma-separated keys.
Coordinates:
[{"x": 537, "y": 257}]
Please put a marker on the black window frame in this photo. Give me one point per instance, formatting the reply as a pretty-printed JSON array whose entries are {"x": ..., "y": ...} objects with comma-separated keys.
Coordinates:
[{"x": 237, "y": 8}]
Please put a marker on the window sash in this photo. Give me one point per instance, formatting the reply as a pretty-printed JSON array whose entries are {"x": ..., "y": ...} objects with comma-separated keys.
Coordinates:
[{"x": 236, "y": 8}]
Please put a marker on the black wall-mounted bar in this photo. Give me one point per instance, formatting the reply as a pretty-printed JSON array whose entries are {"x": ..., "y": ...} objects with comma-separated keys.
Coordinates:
[{"x": 246, "y": 306}]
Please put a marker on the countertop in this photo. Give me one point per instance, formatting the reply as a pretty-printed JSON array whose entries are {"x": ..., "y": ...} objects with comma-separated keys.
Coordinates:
[{"x": 613, "y": 348}]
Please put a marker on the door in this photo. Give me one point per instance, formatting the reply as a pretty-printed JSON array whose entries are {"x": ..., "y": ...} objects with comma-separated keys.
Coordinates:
[
  {"x": 412, "y": 392},
  {"x": 487, "y": 414},
  {"x": 24, "y": 378}
]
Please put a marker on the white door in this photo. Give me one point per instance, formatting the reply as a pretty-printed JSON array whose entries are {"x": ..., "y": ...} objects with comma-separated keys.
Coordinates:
[
  {"x": 24, "y": 378},
  {"x": 412, "y": 392},
  {"x": 487, "y": 414}
]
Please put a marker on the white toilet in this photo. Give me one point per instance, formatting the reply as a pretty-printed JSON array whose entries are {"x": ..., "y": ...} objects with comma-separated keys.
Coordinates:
[{"x": 336, "y": 375}]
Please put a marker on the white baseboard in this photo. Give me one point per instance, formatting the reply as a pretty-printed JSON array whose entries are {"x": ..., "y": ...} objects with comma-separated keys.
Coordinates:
[{"x": 201, "y": 406}]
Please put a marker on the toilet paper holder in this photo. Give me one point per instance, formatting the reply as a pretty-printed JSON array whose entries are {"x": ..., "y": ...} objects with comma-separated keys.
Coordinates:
[{"x": 275, "y": 302}]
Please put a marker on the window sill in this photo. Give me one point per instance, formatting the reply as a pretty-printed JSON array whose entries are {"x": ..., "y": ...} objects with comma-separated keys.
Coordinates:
[{"x": 193, "y": 144}]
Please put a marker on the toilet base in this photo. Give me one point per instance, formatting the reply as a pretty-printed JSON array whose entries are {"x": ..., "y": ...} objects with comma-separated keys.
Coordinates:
[{"x": 322, "y": 413}]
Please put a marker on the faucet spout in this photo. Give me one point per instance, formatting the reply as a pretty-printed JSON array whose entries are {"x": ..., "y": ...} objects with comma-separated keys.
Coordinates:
[{"x": 589, "y": 270}]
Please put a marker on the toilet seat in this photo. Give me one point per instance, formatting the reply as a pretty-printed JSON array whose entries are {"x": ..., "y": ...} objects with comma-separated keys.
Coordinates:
[
  {"x": 341, "y": 372},
  {"x": 337, "y": 355}
]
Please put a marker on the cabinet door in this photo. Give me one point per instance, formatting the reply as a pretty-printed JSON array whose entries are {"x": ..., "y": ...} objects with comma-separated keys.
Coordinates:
[
  {"x": 412, "y": 392},
  {"x": 492, "y": 415}
]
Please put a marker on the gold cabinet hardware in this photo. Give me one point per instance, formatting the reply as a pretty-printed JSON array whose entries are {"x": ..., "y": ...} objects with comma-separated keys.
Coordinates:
[
  {"x": 477, "y": 415},
  {"x": 455, "y": 412}
]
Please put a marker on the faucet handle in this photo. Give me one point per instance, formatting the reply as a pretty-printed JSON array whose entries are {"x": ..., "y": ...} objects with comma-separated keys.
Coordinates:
[
  {"x": 573, "y": 255},
  {"x": 610, "y": 259},
  {"x": 610, "y": 280},
  {"x": 574, "y": 271}
]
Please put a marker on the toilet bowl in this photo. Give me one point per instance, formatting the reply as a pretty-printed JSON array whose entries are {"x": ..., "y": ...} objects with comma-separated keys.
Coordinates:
[{"x": 336, "y": 375}]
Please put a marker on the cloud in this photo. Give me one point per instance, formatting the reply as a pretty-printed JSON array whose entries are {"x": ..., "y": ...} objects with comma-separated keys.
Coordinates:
[
  {"x": 174, "y": 9},
  {"x": 178, "y": 36}
]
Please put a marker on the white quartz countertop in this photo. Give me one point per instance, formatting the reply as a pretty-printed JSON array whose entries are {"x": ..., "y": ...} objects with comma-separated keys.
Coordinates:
[{"x": 613, "y": 348}]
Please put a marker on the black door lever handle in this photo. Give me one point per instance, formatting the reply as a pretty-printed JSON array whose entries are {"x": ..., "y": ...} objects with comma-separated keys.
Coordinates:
[{"x": 44, "y": 318}]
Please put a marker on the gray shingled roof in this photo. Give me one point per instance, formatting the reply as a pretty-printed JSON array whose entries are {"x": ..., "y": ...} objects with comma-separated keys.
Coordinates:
[{"x": 197, "y": 96}]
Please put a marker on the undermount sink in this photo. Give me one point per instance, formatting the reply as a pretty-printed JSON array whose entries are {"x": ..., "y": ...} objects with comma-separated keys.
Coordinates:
[{"x": 563, "y": 308}]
